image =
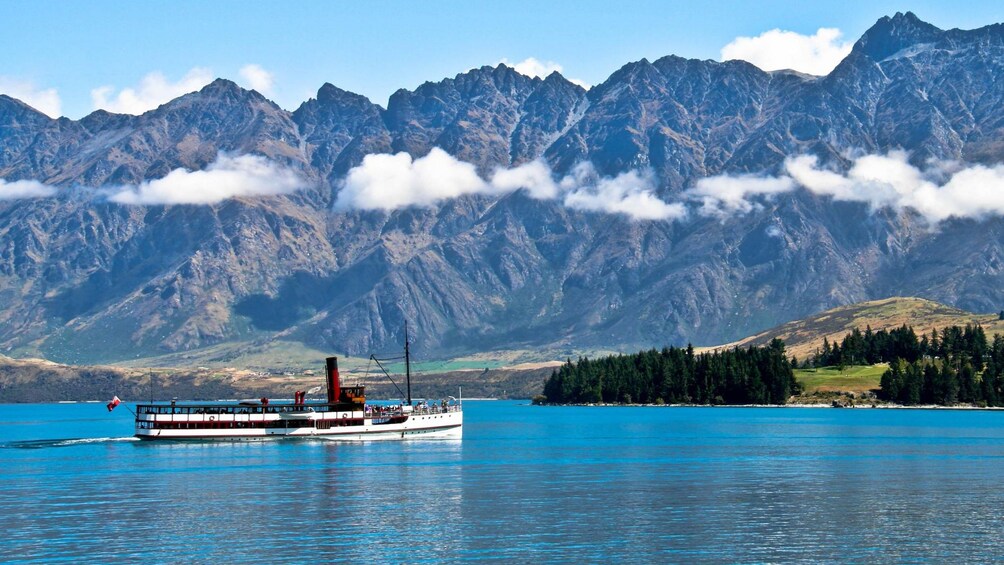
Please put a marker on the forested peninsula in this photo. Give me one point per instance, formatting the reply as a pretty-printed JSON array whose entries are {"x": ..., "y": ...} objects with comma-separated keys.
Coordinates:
[{"x": 956, "y": 366}]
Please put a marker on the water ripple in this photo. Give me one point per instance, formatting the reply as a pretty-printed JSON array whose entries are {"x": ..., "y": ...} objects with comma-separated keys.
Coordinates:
[{"x": 565, "y": 485}]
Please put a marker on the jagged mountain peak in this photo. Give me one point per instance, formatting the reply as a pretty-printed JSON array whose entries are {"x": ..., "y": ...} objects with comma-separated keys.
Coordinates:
[
  {"x": 100, "y": 115},
  {"x": 329, "y": 93},
  {"x": 12, "y": 107},
  {"x": 671, "y": 59},
  {"x": 633, "y": 72},
  {"x": 635, "y": 68},
  {"x": 337, "y": 104},
  {"x": 222, "y": 86},
  {"x": 221, "y": 92},
  {"x": 340, "y": 128},
  {"x": 501, "y": 77},
  {"x": 556, "y": 80},
  {"x": 484, "y": 75},
  {"x": 554, "y": 75},
  {"x": 223, "y": 98},
  {"x": 100, "y": 120},
  {"x": 892, "y": 34},
  {"x": 907, "y": 18},
  {"x": 477, "y": 116},
  {"x": 501, "y": 70},
  {"x": 673, "y": 65},
  {"x": 676, "y": 64}
]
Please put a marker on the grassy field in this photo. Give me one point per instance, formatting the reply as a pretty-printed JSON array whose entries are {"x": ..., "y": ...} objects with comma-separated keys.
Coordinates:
[{"x": 857, "y": 379}]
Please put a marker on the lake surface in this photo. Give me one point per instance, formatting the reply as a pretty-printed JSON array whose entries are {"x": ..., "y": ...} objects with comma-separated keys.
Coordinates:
[{"x": 548, "y": 484}]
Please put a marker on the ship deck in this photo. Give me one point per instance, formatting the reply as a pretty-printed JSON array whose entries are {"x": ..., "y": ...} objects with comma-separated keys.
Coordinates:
[{"x": 267, "y": 421}]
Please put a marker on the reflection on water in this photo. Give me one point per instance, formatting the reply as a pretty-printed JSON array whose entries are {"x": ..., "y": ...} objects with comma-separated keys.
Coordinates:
[{"x": 525, "y": 483}]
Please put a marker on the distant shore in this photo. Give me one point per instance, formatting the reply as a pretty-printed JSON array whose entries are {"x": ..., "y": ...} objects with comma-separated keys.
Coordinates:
[{"x": 882, "y": 406}]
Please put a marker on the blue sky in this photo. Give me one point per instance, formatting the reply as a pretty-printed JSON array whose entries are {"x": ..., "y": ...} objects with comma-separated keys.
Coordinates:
[{"x": 62, "y": 52}]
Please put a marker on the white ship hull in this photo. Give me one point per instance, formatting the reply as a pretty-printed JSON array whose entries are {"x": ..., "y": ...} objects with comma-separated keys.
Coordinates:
[{"x": 234, "y": 424}]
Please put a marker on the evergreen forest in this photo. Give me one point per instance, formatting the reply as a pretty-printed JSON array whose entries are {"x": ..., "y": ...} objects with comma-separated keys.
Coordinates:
[
  {"x": 757, "y": 375},
  {"x": 952, "y": 366}
]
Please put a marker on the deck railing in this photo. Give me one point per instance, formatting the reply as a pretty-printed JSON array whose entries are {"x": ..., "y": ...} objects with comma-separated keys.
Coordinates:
[
  {"x": 436, "y": 409},
  {"x": 372, "y": 410}
]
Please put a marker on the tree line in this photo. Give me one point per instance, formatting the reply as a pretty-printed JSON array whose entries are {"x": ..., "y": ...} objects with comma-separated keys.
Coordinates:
[
  {"x": 957, "y": 364},
  {"x": 756, "y": 375},
  {"x": 970, "y": 372},
  {"x": 869, "y": 348}
]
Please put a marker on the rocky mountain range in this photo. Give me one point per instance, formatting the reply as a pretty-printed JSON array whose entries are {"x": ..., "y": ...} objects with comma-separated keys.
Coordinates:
[{"x": 84, "y": 278}]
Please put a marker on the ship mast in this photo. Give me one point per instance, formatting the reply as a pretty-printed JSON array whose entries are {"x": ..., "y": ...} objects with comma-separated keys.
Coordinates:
[{"x": 407, "y": 361}]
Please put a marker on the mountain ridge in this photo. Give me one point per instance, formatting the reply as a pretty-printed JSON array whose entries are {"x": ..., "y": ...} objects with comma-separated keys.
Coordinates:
[{"x": 86, "y": 281}]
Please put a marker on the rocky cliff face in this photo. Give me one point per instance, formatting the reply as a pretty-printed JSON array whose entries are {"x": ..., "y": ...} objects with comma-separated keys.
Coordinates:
[
  {"x": 83, "y": 279},
  {"x": 488, "y": 116}
]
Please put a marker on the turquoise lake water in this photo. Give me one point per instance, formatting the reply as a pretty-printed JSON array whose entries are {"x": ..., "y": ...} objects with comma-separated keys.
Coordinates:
[{"x": 544, "y": 484}]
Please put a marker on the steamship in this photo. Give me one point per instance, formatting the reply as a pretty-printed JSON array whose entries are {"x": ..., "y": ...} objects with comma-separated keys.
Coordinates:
[{"x": 344, "y": 416}]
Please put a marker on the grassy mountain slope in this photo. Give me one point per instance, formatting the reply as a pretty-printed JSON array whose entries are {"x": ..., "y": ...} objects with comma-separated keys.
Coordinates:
[{"x": 804, "y": 336}]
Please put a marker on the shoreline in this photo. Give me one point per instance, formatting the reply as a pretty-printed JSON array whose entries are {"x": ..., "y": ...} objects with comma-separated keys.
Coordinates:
[{"x": 796, "y": 405}]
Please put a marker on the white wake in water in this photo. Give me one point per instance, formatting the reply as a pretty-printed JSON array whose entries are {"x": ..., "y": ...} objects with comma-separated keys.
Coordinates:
[{"x": 65, "y": 442}]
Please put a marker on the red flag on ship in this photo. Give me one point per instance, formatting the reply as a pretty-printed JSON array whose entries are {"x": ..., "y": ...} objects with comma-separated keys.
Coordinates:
[{"x": 115, "y": 402}]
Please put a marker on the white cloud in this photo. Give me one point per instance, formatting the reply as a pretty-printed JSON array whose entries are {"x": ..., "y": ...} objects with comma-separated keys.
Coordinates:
[
  {"x": 154, "y": 89},
  {"x": 227, "y": 177},
  {"x": 388, "y": 182},
  {"x": 974, "y": 192},
  {"x": 24, "y": 189},
  {"x": 257, "y": 78},
  {"x": 535, "y": 177},
  {"x": 45, "y": 100},
  {"x": 631, "y": 193},
  {"x": 725, "y": 196},
  {"x": 938, "y": 192},
  {"x": 532, "y": 67},
  {"x": 777, "y": 49}
]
